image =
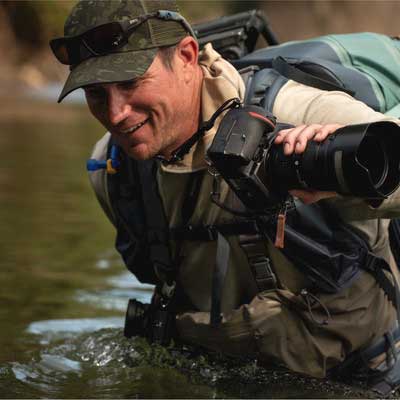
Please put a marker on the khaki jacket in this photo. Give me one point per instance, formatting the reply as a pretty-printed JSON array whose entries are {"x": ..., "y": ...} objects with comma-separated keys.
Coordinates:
[{"x": 277, "y": 324}]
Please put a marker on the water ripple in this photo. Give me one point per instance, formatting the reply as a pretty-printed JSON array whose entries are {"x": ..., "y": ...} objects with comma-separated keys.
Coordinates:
[{"x": 78, "y": 325}]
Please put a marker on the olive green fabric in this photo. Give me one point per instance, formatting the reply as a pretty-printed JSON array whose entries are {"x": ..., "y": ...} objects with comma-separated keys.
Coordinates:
[
  {"x": 280, "y": 326},
  {"x": 306, "y": 334},
  {"x": 133, "y": 59}
]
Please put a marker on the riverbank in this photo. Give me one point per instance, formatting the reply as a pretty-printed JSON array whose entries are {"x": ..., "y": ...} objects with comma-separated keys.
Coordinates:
[{"x": 14, "y": 108}]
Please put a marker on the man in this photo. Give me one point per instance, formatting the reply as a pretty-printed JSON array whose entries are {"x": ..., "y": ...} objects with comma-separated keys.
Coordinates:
[{"x": 151, "y": 89}]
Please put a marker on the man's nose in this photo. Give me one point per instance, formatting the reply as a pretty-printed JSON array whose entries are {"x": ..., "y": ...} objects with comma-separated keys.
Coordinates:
[{"x": 118, "y": 107}]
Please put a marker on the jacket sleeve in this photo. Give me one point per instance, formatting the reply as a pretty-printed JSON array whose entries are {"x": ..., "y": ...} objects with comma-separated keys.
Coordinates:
[
  {"x": 98, "y": 179},
  {"x": 298, "y": 104}
]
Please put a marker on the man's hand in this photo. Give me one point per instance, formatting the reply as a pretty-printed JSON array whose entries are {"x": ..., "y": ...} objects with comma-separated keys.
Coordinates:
[{"x": 295, "y": 140}]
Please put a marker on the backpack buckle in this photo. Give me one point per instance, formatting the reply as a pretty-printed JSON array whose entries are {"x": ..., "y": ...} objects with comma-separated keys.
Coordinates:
[
  {"x": 211, "y": 233},
  {"x": 370, "y": 262},
  {"x": 260, "y": 264},
  {"x": 262, "y": 272}
]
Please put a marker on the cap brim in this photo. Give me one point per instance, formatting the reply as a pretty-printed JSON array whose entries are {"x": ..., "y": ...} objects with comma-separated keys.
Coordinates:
[{"x": 115, "y": 67}]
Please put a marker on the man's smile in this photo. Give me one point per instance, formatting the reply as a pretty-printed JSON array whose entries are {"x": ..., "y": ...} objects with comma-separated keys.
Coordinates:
[{"x": 134, "y": 127}]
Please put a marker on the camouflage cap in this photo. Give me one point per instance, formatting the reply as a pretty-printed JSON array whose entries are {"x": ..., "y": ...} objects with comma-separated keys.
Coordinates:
[{"x": 131, "y": 60}]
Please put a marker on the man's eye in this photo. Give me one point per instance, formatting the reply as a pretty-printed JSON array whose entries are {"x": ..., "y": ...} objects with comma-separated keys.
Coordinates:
[
  {"x": 94, "y": 92},
  {"x": 128, "y": 85}
]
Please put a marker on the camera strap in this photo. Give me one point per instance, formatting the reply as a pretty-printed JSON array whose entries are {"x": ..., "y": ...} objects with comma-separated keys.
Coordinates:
[
  {"x": 218, "y": 279},
  {"x": 180, "y": 152}
]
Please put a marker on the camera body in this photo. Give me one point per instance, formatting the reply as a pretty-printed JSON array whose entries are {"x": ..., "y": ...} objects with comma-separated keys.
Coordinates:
[
  {"x": 243, "y": 139},
  {"x": 359, "y": 160},
  {"x": 153, "y": 321}
]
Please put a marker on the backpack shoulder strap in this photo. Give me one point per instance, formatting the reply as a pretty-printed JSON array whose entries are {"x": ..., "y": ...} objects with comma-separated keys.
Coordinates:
[
  {"x": 262, "y": 86},
  {"x": 394, "y": 237},
  {"x": 292, "y": 71},
  {"x": 98, "y": 179},
  {"x": 157, "y": 230}
]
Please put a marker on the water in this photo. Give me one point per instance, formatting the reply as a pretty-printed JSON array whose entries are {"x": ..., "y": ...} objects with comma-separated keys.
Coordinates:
[
  {"x": 52, "y": 91},
  {"x": 64, "y": 289}
]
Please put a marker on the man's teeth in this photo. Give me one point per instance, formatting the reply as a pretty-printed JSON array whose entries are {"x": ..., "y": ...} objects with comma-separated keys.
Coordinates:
[{"x": 133, "y": 128}]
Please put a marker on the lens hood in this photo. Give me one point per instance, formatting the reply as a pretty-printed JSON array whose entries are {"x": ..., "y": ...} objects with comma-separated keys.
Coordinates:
[{"x": 360, "y": 160}]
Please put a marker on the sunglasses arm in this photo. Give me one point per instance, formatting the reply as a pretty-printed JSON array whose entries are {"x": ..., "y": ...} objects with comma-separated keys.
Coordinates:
[{"x": 174, "y": 16}]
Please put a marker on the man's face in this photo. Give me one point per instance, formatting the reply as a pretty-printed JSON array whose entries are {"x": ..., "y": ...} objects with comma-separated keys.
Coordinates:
[{"x": 147, "y": 116}]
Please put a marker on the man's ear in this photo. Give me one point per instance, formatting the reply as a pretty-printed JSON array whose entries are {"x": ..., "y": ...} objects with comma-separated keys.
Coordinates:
[{"x": 187, "y": 52}]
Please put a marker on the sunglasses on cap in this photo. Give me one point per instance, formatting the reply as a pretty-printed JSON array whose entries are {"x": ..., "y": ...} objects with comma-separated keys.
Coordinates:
[{"x": 106, "y": 38}]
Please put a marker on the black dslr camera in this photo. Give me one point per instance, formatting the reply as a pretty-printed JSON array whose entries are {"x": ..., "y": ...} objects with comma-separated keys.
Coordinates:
[
  {"x": 361, "y": 160},
  {"x": 153, "y": 321}
]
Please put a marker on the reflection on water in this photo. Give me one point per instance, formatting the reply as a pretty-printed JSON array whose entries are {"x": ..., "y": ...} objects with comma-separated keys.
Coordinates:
[
  {"x": 65, "y": 326},
  {"x": 64, "y": 290},
  {"x": 52, "y": 232}
]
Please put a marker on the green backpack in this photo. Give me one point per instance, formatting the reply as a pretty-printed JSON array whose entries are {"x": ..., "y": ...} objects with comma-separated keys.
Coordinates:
[{"x": 366, "y": 65}]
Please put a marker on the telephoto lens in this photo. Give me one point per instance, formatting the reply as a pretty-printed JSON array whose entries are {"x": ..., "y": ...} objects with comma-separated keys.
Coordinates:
[
  {"x": 360, "y": 160},
  {"x": 135, "y": 318}
]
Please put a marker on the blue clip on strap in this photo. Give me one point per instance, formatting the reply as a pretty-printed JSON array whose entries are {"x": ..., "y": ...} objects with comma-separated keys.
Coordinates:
[{"x": 111, "y": 165}]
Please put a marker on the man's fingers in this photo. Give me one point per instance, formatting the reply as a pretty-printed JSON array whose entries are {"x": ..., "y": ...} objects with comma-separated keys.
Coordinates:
[
  {"x": 284, "y": 133},
  {"x": 304, "y": 136},
  {"x": 311, "y": 196},
  {"x": 325, "y": 131},
  {"x": 288, "y": 137},
  {"x": 295, "y": 139},
  {"x": 291, "y": 138}
]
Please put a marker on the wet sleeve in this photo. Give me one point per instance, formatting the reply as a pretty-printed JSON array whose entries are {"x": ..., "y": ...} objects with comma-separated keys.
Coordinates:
[{"x": 280, "y": 327}]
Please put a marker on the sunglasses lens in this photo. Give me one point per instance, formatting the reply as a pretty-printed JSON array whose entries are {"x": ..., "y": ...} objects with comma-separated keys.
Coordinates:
[
  {"x": 98, "y": 41},
  {"x": 105, "y": 38},
  {"x": 59, "y": 47}
]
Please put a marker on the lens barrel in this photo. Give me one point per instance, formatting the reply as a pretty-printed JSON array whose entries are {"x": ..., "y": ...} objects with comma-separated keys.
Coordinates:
[
  {"x": 135, "y": 318},
  {"x": 360, "y": 160}
]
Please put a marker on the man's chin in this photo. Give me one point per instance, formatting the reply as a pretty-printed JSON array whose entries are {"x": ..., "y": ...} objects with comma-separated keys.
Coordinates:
[{"x": 140, "y": 152}]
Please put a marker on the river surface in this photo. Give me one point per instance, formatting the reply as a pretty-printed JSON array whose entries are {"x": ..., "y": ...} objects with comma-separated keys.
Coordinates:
[{"x": 63, "y": 288}]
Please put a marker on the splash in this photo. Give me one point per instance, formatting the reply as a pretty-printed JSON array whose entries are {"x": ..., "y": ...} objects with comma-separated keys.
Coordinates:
[{"x": 105, "y": 364}]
